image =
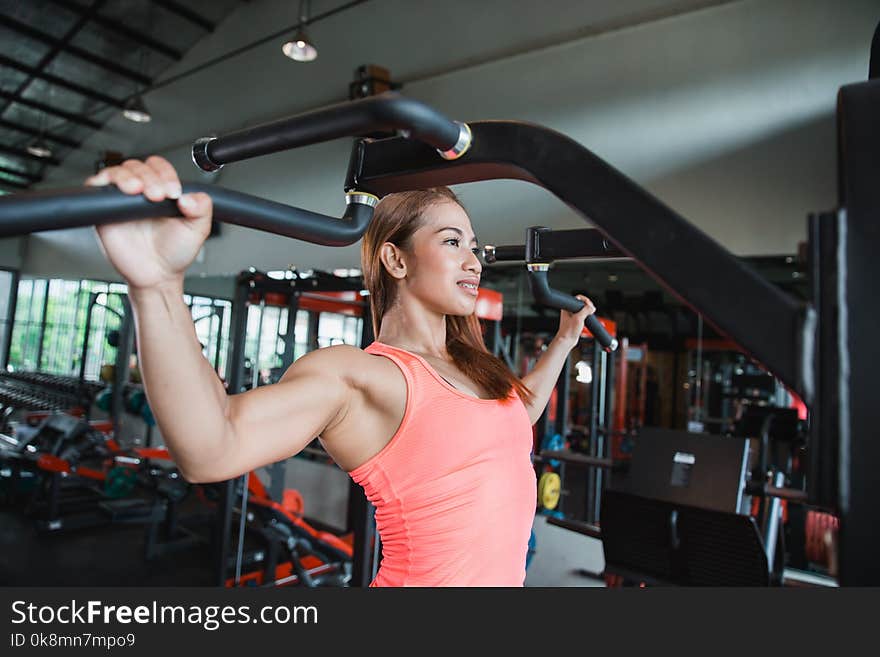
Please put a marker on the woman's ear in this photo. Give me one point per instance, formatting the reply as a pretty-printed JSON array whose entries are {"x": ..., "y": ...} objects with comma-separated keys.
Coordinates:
[{"x": 393, "y": 260}]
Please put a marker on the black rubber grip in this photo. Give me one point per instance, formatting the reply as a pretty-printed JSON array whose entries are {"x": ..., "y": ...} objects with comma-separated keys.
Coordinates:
[
  {"x": 547, "y": 296},
  {"x": 30, "y": 212},
  {"x": 506, "y": 253},
  {"x": 387, "y": 112}
]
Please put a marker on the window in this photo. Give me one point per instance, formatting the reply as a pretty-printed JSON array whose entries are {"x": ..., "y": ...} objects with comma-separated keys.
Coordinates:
[{"x": 49, "y": 330}]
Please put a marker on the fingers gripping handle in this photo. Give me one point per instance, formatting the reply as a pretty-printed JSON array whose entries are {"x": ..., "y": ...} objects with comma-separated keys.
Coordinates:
[{"x": 547, "y": 296}]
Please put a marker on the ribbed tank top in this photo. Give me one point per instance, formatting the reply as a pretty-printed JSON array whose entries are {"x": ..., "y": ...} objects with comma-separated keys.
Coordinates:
[{"x": 454, "y": 489}]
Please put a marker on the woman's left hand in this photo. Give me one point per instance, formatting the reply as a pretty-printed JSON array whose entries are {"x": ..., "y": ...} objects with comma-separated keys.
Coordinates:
[{"x": 571, "y": 324}]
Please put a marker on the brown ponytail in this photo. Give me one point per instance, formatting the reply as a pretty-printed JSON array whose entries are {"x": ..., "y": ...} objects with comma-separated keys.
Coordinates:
[{"x": 395, "y": 220}]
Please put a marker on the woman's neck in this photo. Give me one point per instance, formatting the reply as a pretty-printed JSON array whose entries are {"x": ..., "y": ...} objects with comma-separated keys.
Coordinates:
[{"x": 414, "y": 329}]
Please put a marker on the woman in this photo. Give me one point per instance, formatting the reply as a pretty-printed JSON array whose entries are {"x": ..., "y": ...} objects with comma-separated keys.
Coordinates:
[{"x": 435, "y": 429}]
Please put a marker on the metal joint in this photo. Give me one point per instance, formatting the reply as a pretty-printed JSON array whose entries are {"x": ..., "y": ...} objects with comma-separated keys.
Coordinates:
[
  {"x": 364, "y": 198},
  {"x": 461, "y": 146},
  {"x": 200, "y": 155},
  {"x": 538, "y": 266}
]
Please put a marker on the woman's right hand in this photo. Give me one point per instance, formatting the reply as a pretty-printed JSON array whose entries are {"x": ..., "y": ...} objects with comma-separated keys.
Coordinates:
[{"x": 153, "y": 252}]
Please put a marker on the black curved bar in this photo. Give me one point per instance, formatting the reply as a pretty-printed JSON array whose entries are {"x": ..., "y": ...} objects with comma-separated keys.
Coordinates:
[
  {"x": 387, "y": 112},
  {"x": 544, "y": 294},
  {"x": 557, "y": 245},
  {"x": 505, "y": 253},
  {"x": 87, "y": 206},
  {"x": 874, "y": 61},
  {"x": 547, "y": 296},
  {"x": 771, "y": 325}
]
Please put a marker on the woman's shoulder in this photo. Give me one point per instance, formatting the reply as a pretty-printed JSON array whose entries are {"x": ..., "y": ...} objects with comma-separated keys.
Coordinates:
[
  {"x": 357, "y": 366},
  {"x": 339, "y": 357},
  {"x": 378, "y": 381}
]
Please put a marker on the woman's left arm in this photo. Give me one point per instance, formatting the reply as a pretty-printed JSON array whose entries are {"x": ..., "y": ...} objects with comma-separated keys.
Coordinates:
[{"x": 542, "y": 379}]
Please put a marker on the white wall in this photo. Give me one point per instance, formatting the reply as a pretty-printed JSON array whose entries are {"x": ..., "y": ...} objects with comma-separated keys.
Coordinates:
[
  {"x": 11, "y": 252},
  {"x": 726, "y": 114}
]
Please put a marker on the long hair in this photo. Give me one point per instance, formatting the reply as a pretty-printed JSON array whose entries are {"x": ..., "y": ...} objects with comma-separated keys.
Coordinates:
[{"x": 395, "y": 220}]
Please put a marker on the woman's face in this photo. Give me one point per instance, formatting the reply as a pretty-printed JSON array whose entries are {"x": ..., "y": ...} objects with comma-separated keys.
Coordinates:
[{"x": 445, "y": 271}]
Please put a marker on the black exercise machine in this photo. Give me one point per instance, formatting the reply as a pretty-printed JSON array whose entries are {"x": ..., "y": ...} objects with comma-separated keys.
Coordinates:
[{"x": 824, "y": 351}]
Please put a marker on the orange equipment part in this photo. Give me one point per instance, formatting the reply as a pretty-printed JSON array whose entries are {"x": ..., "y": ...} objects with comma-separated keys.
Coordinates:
[
  {"x": 551, "y": 406},
  {"x": 90, "y": 473},
  {"x": 326, "y": 537},
  {"x": 609, "y": 324},
  {"x": 255, "y": 486},
  {"x": 293, "y": 502},
  {"x": 490, "y": 304},
  {"x": 51, "y": 463},
  {"x": 153, "y": 453},
  {"x": 818, "y": 528},
  {"x": 344, "y": 302}
]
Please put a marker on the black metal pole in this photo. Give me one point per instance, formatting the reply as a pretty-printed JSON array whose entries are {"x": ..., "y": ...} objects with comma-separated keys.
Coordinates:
[
  {"x": 823, "y": 449},
  {"x": 606, "y": 437},
  {"x": 857, "y": 348},
  {"x": 290, "y": 332},
  {"x": 562, "y": 388},
  {"x": 312, "y": 331},
  {"x": 10, "y": 314},
  {"x": 220, "y": 313},
  {"x": 43, "y": 316},
  {"x": 591, "y": 515},
  {"x": 361, "y": 523},
  {"x": 121, "y": 366},
  {"x": 93, "y": 299},
  {"x": 238, "y": 331}
]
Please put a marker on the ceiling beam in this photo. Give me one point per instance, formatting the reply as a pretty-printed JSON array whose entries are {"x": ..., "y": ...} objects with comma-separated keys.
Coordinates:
[
  {"x": 48, "y": 109},
  {"x": 49, "y": 55},
  {"x": 120, "y": 29},
  {"x": 59, "y": 82},
  {"x": 24, "y": 175},
  {"x": 74, "y": 51},
  {"x": 186, "y": 13},
  {"x": 12, "y": 183},
  {"x": 58, "y": 139}
]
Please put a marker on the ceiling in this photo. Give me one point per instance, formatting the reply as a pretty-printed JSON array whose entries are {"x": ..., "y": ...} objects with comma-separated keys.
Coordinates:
[
  {"x": 215, "y": 65},
  {"x": 723, "y": 109},
  {"x": 74, "y": 64},
  {"x": 65, "y": 62}
]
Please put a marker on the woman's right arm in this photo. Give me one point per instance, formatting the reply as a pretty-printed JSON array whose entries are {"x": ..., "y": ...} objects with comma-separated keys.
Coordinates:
[{"x": 211, "y": 436}]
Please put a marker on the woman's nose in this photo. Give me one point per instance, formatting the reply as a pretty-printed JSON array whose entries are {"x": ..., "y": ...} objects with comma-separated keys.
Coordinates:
[{"x": 473, "y": 263}]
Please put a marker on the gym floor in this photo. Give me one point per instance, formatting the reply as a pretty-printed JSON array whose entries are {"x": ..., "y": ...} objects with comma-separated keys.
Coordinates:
[
  {"x": 564, "y": 558},
  {"x": 113, "y": 555}
]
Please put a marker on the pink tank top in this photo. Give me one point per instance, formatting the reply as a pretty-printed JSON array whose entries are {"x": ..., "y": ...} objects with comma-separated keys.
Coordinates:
[{"x": 454, "y": 489}]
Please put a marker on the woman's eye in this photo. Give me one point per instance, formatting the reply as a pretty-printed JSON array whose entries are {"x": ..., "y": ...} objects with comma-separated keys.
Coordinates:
[{"x": 453, "y": 239}]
